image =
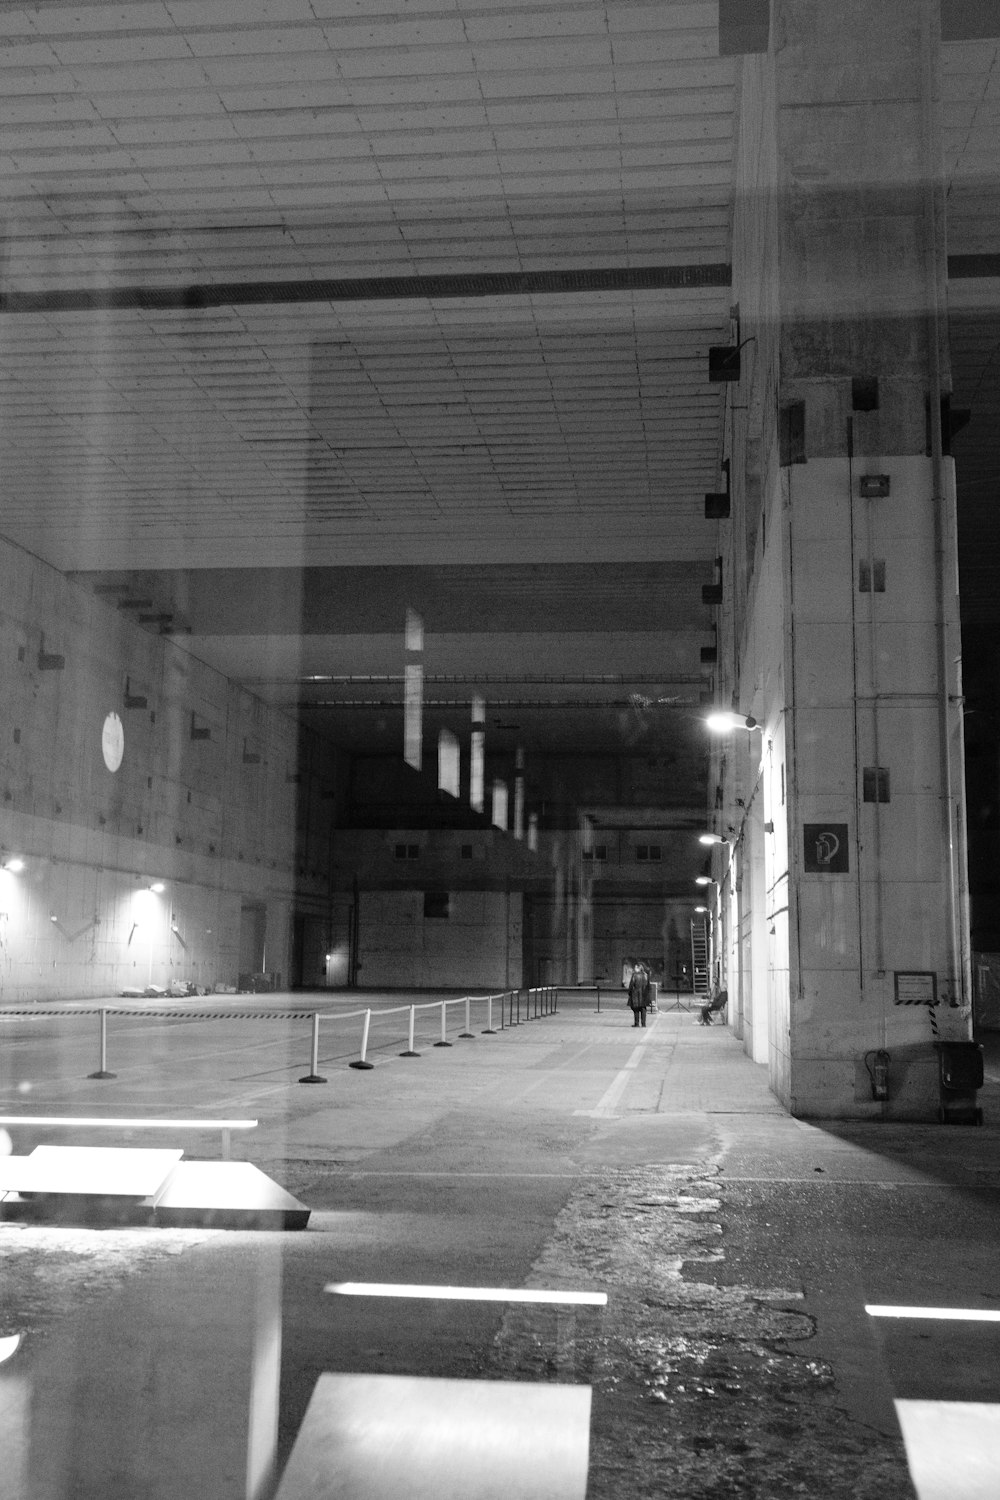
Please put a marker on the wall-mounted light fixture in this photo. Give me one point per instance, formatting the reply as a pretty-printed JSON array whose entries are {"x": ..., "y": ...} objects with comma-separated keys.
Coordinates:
[
  {"x": 712, "y": 838},
  {"x": 701, "y": 909},
  {"x": 13, "y": 863},
  {"x": 704, "y": 880},
  {"x": 157, "y": 887},
  {"x": 724, "y": 722}
]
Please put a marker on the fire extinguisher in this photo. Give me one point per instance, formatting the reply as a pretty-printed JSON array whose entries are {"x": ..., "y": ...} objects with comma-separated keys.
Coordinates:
[{"x": 877, "y": 1064}]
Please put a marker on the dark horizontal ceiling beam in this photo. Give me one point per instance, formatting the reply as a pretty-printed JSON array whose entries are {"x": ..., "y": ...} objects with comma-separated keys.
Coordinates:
[
  {"x": 336, "y": 704},
  {"x": 378, "y": 679},
  {"x": 716, "y": 274},
  {"x": 370, "y": 289}
]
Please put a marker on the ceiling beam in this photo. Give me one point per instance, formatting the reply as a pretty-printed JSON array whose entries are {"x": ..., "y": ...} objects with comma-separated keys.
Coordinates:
[{"x": 370, "y": 288}]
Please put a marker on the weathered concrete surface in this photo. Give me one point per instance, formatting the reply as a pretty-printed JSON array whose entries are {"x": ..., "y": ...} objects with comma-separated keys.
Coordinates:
[{"x": 737, "y": 1246}]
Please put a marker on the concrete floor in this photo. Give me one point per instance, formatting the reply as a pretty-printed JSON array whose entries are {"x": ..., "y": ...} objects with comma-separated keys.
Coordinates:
[{"x": 738, "y": 1248}]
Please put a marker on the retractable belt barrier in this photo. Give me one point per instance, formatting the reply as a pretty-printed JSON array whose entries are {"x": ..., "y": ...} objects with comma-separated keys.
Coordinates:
[{"x": 514, "y": 1006}]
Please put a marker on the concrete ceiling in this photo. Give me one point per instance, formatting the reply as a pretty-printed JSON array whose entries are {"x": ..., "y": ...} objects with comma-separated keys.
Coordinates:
[{"x": 416, "y": 298}]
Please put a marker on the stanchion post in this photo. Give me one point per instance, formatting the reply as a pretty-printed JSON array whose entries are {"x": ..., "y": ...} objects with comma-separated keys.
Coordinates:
[
  {"x": 598, "y": 999},
  {"x": 467, "y": 1033},
  {"x": 362, "y": 1061},
  {"x": 102, "y": 1071},
  {"x": 314, "y": 1075},
  {"x": 490, "y": 1029},
  {"x": 409, "y": 1044},
  {"x": 444, "y": 1042}
]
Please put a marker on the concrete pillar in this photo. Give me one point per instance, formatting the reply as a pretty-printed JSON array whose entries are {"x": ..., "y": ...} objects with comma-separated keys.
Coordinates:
[{"x": 841, "y": 585}]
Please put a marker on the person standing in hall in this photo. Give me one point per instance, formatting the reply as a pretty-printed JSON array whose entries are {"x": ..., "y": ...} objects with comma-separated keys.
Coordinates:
[{"x": 638, "y": 994}]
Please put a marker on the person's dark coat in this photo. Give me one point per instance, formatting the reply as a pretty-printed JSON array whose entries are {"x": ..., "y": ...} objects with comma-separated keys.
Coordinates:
[{"x": 638, "y": 990}]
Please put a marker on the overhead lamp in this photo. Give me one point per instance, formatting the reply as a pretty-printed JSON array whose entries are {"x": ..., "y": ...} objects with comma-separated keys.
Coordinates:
[
  {"x": 157, "y": 887},
  {"x": 701, "y": 908},
  {"x": 724, "y": 359},
  {"x": 703, "y": 880},
  {"x": 14, "y": 865},
  {"x": 724, "y": 722},
  {"x": 724, "y": 362},
  {"x": 712, "y": 838}
]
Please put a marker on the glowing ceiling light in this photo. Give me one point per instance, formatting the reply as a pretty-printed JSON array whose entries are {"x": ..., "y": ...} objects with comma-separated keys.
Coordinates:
[
  {"x": 465, "y": 1293},
  {"x": 150, "y": 1123},
  {"x": 944, "y": 1314}
]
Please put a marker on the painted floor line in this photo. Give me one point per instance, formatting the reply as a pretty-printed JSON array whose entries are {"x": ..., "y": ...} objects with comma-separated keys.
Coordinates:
[{"x": 608, "y": 1101}]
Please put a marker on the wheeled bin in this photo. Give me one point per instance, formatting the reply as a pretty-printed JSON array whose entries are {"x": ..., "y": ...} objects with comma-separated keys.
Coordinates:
[{"x": 961, "y": 1075}]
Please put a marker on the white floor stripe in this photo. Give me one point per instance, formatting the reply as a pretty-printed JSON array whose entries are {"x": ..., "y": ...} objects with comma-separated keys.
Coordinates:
[{"x": 608, "y": 1102}]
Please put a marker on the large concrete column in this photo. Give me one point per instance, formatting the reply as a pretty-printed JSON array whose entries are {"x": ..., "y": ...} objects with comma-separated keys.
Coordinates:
[{"x": 841, "y": 597}]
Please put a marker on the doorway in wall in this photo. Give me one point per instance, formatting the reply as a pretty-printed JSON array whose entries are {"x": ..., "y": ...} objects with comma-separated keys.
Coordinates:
[
  {"x": 253, "y": 944},
  {"x": 310, "y": 947}
]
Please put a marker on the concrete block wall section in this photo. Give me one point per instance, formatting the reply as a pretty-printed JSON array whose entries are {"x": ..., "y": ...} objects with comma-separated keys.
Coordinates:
[
  {"x": 217, "y": 828},
  {"x": 479, "y": 944}
]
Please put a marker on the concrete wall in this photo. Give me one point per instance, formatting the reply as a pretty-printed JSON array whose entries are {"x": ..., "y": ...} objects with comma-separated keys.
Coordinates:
[
  {"x": 867, "y": 692},
  {"x": 206, "y": 800},
  {"x": 477, "y": 945}
]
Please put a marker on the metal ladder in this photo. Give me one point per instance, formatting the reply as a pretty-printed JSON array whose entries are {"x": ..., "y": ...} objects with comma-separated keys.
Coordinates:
[{"x": 699, "y": 957}]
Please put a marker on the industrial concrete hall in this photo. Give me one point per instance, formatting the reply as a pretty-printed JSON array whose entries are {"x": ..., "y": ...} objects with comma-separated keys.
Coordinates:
[{"x": 495, "y": 495}]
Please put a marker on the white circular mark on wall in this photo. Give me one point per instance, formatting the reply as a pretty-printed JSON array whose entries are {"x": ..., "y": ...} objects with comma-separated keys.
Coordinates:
[{"x": 113, "y": 741}]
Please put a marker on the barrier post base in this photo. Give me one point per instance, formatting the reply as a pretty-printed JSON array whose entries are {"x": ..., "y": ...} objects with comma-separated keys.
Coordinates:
[
  {"x": 442, "y": 1044},
  {"x": 102, "y": 1073},
  {"x": 409, "y": 1054},
  {"x": 313, "y": 1078},
  {"x": 489, "y": 1031},
  {"x": 364, "y": 1065},
  {"x": 466, "y": 1034}
]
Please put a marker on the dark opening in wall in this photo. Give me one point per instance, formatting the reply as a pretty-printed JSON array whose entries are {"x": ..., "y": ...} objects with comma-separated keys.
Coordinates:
[
  {"x": 875, "y": 783},
  {"x": 437, "y": 905},
  {"x": 871, "y": 575},
  {"x": 792, "y": 433},
  {"x": 864, "y": 393}
]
